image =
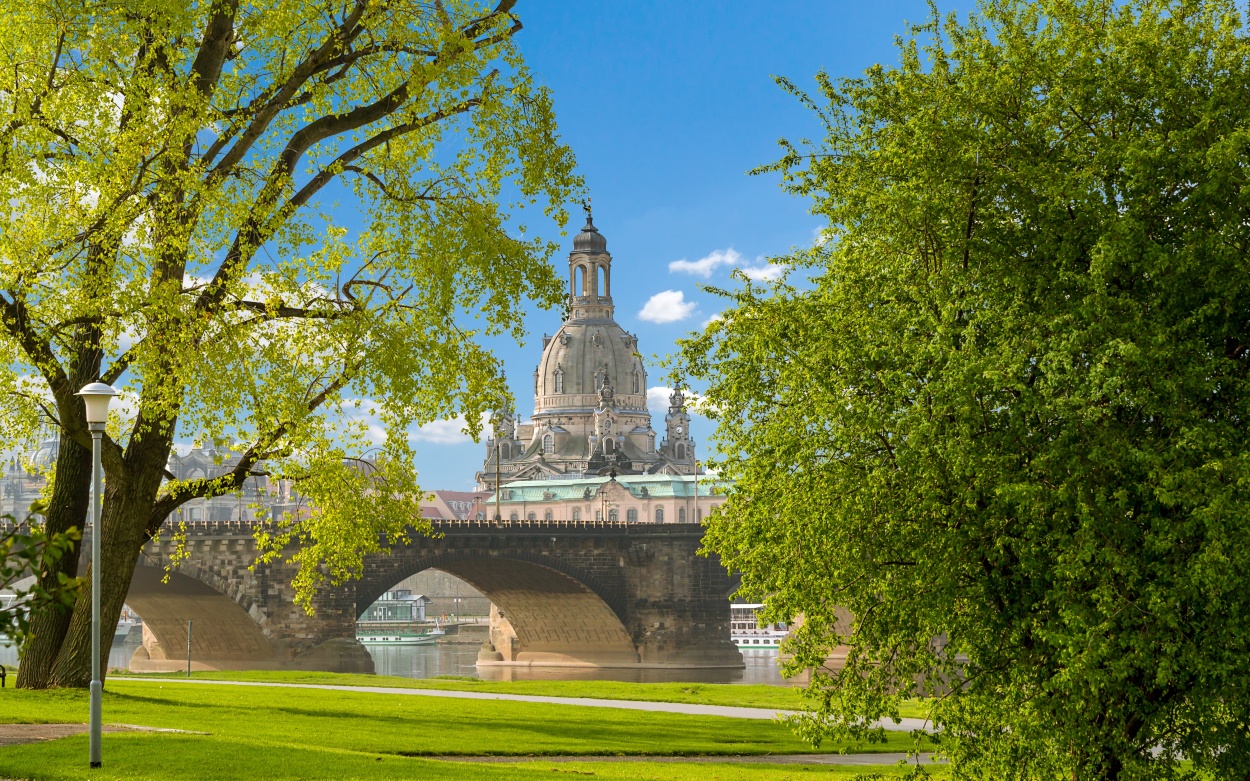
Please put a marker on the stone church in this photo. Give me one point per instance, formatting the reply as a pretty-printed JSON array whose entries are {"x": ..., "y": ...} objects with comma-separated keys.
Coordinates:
[
  {"x": 590, "y": 395},
  {"x": 589, "y": 452}
]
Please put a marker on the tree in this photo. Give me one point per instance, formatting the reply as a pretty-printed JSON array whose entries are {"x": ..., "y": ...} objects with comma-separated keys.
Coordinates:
[
  {"x": 26, "y": 550},
  {"x": 996, "y": 441},
  {"x": 166, "y": 164}
]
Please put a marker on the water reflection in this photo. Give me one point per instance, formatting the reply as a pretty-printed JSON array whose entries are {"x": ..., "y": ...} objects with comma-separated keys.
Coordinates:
[{"x": 427, "y": 661}]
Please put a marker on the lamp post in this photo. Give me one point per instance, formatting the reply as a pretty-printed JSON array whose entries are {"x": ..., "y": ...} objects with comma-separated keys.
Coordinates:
[{"x": 96, "y": 397}]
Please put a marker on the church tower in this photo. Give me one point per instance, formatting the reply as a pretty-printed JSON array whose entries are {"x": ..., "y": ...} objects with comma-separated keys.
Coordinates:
[{"x": 590, "y": 393}]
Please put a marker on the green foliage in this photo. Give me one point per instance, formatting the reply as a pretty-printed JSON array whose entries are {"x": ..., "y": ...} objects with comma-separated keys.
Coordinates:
[
  {"x": 281, "y": 225},
  {"x": 998, "y": 447},
  {"x": 29, "y": 549}
]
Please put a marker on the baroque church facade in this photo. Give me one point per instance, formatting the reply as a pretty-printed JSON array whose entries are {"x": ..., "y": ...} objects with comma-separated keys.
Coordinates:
[
  {"x": 590, "y": 395},
  {"x": 589, "y": 450}
]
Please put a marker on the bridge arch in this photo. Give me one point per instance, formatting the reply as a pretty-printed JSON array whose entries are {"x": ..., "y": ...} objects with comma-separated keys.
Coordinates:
[
  {"x": 227, "y": 631},
  {"x": 549, "y": 611}
]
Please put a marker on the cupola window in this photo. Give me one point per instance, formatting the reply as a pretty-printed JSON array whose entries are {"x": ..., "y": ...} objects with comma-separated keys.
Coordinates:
[
  {"x": 637, "y": 383},
  {"x": 549, "y": 444},
  {"x": 559, "y": 380}
]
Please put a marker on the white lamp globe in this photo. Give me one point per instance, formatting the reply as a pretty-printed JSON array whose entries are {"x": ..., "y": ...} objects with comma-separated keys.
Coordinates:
[{"x": 97, "y": 397}]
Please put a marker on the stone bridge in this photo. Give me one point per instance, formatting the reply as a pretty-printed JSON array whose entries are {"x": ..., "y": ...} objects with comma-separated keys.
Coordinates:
[{"x": 566, "y": 593}]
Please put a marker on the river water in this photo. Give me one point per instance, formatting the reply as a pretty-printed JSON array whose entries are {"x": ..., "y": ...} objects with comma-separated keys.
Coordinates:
[{"x": 428, "y": 661}]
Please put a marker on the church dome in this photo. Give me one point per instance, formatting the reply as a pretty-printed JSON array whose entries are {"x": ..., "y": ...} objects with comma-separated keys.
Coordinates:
[
  {"x": 44, "y": 456},
  {"x": 580, "y": 359},
  {"x": 590, "y": 239}
]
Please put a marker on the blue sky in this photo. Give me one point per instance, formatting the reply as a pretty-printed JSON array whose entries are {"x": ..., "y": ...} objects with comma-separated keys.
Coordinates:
[{"x": 667, "y": 106}]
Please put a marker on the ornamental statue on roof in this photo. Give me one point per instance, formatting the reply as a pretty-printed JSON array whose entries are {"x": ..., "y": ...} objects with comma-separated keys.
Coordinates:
[{"x": 590, "y": 393}]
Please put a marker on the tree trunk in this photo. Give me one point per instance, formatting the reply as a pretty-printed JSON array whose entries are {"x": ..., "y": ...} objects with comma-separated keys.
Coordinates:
[
  {"x": 127, "y": 505},
  {"x": 69, "y": 507}
]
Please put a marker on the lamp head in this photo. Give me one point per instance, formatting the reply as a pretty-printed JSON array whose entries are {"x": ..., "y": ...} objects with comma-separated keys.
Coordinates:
[{"x": 97, "y": 397}]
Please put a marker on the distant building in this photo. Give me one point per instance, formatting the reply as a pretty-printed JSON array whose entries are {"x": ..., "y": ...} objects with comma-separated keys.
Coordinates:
[
  {"x": 23, "y": 480},
  {"x": 451, "y": 505},
  {"x": 590, "y": 396},
  {"x": 628, "y": 498}
]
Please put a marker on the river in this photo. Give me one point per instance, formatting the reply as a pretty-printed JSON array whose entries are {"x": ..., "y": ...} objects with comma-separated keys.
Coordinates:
[{"x": 429, "y": 661}]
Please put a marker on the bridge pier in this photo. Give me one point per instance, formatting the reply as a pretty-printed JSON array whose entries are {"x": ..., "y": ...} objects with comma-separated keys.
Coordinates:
[{"x": 584, "y": 594}]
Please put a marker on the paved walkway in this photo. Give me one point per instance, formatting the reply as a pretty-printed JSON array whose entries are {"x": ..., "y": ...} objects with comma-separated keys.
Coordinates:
[
  {"x": 885, "y": 758},
  {"x": 690, "y": 709}
]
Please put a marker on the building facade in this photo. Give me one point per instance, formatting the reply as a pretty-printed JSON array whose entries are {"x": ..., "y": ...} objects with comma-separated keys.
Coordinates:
[{"x": 590, "y": 397}]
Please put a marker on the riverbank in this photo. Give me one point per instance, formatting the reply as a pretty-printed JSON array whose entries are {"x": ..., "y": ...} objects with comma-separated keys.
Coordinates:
[
  {"x": 777, "y": 698},
  {"x": 278, "y": 733}
]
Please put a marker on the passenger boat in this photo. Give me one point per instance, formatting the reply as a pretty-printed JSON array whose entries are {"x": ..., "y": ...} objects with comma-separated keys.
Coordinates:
[
  {"x": 400, "y": 638},
  {"x": 745, "y": 630}
]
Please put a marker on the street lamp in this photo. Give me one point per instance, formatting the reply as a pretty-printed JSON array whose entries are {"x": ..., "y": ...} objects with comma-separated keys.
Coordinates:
[{"x": 96, "y": 397}]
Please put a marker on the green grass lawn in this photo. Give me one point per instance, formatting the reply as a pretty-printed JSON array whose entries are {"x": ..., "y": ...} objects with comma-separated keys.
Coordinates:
[
  {"x": 740, "y": 695},
  {"x": 259, "y": 733}
]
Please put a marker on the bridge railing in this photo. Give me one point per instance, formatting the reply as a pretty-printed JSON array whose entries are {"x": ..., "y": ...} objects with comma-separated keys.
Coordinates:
[{"x": 451, "y": 524}]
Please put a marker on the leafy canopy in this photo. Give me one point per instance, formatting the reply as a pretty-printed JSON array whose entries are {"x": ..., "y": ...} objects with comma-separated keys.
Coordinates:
[
  {"x": 259, "y": 220},
  {"x": 28, "y": 549},
  {"x": 998, "y": 448}
]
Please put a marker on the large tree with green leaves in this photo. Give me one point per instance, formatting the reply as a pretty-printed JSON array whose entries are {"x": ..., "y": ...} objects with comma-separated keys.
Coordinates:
[
  {"x": 997, "y": 441},
  {"x": 255, "y": 218}
]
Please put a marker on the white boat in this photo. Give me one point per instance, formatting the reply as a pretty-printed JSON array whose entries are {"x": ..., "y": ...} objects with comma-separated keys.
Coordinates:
[
  {"x": 400, "y": 638},
  {"x": 745, "y": 630},
  {"x": 124, "y": 626}
]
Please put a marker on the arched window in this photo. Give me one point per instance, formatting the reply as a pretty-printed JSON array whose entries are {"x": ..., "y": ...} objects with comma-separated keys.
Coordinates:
[
  {"x": 531, "y": 517},
  {"x": 631, "y": 516},
  {"x": 609, "y": 446},
  {"x": 559, "y": 380},
  {"x": 513, "y": 516},
  {"x": 681, "y": 452},
  {"x": 651, "y": 443},
  {"x": 577, "y": 514},
  {"x": 549, "y": 444},
  {"x": 535, "y": 382},
  {"x": 637, "y": 383},
  {"x": 579, "y": 281},
  {"x": 547, "y": 516},
  {"x": 681, "y": 514},
  {"x": 602, "y": 288},
  {"x": 505, "y": 451},
  {"x": 613, "y": 516},
  {"x": 659, "y": 515}
]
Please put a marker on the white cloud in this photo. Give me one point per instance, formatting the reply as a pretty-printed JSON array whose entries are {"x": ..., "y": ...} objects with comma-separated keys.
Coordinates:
[
  {"x": 712, "y": 319},
  {"x": 668, "y": 306},
  {"x": 705, "y": 265},
  {"x": 764, "y": 273},
  {"x": 442, "y": 432},
  {"x": 657, "y": 400}
]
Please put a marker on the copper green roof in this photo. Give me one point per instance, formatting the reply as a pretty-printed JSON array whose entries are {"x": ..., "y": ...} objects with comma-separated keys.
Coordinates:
[{"x": 658, "y": 487}]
